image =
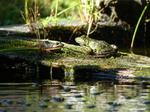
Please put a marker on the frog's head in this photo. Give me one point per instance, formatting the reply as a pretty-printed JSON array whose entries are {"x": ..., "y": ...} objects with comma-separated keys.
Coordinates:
[
  {"x": 51, "y": 44},
  {"x": 81, "y": 40},
  {"x": 58, "y": 44}
]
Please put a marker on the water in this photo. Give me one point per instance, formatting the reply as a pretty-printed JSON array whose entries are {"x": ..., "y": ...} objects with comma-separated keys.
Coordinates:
[
  {"x": 141, "y": 51},
  {"x": 32, "y": 92},
  {"x": 56, "y": 96}
]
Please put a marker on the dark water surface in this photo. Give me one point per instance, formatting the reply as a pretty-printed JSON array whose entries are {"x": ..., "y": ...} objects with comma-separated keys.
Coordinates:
[
  {"x": 56, "y": 96},
  {"x": 141, "y": 51}
]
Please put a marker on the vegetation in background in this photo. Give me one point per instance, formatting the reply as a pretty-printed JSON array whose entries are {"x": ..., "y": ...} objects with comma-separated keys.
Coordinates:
[
  {"x": 56, "y": 15},
  {"x": 90, "y": 12},
  {"x": 10, "y": 9},
  {"x": 87, "y": 11},
  {"x": 10, "y": 12}
]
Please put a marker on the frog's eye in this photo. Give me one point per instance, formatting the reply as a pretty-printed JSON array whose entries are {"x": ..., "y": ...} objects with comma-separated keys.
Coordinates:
[
  {"x": 57, "y": 43},
  {"x": 114, "y": 46}
]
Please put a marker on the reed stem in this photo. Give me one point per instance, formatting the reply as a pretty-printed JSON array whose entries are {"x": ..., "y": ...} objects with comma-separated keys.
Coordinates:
[{"x": 137, "y": 26}]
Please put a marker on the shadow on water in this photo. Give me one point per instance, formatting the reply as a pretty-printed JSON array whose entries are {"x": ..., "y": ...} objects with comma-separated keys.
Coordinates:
[
  {"x": 21, "y": 70},
  {"x": 29, "y": 87}
]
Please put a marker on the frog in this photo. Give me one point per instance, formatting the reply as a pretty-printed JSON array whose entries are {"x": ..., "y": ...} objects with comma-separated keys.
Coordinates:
[
  {"x": 49, "y": 45},
  {"x": 98, "y": 48}
]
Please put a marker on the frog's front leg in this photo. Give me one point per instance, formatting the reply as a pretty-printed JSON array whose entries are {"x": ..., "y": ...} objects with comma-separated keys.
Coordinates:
[{"x": 88, "y": 50}]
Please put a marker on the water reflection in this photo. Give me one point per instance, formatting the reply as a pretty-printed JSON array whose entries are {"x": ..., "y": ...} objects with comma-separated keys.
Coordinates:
[{"x": 55, "y": 96}]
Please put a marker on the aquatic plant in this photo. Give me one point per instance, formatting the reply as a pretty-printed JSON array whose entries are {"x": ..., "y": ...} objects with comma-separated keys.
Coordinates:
[
  {"x": 89, "y": 12},
  {"x": 32, "y": 17},
  {"x": 26, "y": 12},
  {"x": 137, "y": 26}
]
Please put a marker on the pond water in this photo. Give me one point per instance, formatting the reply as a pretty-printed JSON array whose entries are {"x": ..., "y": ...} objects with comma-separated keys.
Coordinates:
[
  {"x": 32, "y": 92},
  {"x": 141, "y": 51},
  {"x": 58, "y": 96}
]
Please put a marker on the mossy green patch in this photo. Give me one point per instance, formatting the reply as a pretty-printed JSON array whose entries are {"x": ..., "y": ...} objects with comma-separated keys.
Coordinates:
[
  {"x": 14, "y": 43},
  {"x": 71, "y": 61}
]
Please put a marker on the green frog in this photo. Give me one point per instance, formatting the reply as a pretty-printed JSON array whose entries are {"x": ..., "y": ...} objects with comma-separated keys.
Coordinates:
[
  {"x": 49, "y": 45},
  {"x": 45, "y": 43},
  {"x": 98, "y": 48}
]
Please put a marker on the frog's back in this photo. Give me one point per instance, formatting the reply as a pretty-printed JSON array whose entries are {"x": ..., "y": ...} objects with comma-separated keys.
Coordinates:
[
  {"x": 101, "y": 48},
  {"x": 98, "y": 47}
]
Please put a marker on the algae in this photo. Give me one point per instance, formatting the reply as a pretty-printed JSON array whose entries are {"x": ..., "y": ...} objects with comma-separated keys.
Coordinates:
[
  {"x": 71, "y": 57},
  {"x": 75, "y": 63}
]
